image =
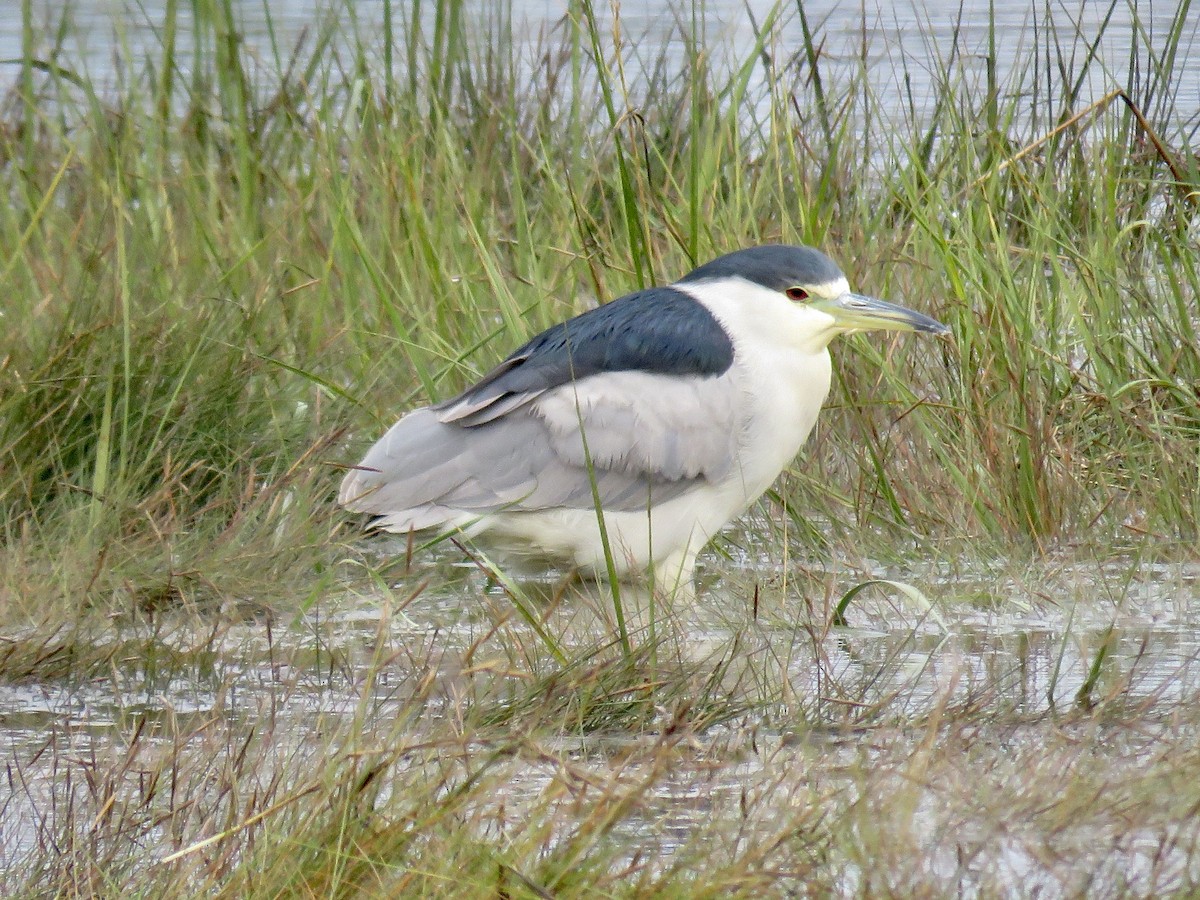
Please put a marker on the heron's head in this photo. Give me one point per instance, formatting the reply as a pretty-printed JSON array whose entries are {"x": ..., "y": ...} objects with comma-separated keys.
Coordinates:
[{"x": 817, "y": 290}]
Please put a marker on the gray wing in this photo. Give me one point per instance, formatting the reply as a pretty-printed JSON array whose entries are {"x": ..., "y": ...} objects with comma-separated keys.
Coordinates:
[{"x": 650, "y": 438}]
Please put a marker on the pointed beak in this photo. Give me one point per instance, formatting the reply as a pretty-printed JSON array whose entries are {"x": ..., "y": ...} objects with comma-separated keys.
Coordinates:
[{"x": 855, "y": 312}]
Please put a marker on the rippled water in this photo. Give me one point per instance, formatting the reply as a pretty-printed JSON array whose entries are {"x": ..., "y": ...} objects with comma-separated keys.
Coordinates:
[
  {"x": 1004, "y": 653},
  {"x": 900, "y": 47}
]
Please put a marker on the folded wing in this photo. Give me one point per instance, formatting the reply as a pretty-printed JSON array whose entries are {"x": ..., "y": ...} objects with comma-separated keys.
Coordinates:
[
  {"x": 641, "y": 388},
  {"x": 649, "y": 438}
]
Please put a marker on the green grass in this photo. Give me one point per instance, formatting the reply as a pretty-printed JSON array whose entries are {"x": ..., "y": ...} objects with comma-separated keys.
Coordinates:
[{"x": 226, "y": 272}]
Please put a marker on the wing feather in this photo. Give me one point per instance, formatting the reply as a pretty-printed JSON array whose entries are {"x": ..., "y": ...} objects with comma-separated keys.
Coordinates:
[
  {"x": 650, "y": 438},
  {"x": 665, "y": 428}
]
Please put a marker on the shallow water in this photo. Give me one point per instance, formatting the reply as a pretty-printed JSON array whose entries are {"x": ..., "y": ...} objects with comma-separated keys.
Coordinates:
[{"x": 1003, "y": 661}]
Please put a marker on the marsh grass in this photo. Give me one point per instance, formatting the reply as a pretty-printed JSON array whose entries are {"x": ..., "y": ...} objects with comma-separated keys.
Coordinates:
[{"x": 227, "y": 268}]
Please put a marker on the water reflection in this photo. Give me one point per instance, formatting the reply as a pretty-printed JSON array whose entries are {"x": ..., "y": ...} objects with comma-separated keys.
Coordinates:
[{"x": 1030, "y": 654}]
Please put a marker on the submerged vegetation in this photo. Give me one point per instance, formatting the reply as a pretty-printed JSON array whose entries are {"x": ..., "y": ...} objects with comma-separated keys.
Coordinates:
[{"x": 228, "y": 265}]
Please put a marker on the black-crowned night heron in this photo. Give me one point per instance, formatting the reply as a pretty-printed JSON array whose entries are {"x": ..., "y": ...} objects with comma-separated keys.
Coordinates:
[{"x": 665, "y": 413}]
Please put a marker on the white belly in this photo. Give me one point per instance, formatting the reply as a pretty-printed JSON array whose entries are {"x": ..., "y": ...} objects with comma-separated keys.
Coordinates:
[{"x": 669, "y": 532}]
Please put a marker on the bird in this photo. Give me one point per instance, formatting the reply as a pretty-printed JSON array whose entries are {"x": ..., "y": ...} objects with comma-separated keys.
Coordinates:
[{"x": 624, "y": 439}]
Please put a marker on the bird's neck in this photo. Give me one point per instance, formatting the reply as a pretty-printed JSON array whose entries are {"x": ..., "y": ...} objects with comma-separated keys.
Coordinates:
[{"x": 782, "y": 366}]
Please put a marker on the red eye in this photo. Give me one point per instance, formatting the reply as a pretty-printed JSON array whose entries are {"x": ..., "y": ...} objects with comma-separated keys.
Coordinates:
[{"x": 795, "y": 293}]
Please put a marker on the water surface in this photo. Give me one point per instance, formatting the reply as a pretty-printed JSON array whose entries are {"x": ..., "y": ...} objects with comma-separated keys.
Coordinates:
[
  {"x": 997, "y": 669},
  {"x": 901, "y": 48}
]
